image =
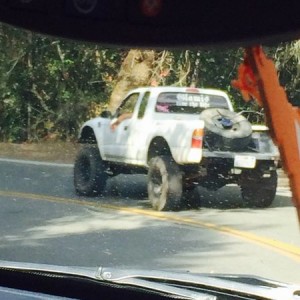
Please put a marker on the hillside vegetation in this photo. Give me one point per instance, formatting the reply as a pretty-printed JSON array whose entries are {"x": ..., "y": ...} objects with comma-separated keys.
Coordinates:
[{"x": 50, "y": 86}]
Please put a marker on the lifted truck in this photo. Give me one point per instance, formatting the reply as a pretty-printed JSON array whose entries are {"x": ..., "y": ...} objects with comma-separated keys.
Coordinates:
[{"x": 181, "y": 138}]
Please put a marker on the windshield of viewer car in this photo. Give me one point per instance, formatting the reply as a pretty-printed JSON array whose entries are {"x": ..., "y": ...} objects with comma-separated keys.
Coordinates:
[{"x": 236, "y": 213}]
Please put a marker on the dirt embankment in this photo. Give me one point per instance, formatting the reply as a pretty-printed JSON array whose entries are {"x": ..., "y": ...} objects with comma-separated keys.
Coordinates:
[{"x": 61, "y": 152}]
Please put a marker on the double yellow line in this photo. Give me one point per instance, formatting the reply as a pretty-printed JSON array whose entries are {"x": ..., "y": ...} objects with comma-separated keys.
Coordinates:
[{"x": 284, "y": 248}]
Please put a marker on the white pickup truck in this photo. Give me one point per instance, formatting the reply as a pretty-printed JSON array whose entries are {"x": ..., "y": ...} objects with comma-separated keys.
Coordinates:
[{"x": 181, "y": 138}]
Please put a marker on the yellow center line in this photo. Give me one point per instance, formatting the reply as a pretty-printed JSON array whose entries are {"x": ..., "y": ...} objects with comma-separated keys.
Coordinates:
[{"x": 282, "y": 247}]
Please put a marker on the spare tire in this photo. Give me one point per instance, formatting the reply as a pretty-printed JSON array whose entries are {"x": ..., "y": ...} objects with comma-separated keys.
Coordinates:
[{"x": 226, "y": 130}]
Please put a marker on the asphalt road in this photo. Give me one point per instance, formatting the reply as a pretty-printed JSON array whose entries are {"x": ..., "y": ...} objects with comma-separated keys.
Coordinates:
[{"x": 43, "y": 221}]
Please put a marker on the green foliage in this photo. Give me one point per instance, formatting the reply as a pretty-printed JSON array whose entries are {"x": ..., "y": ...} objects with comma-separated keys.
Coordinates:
[
  {"x": 50, "y": 86},
  {"x": 287, "y": 58},
  {"x": 208, "y": 69}
]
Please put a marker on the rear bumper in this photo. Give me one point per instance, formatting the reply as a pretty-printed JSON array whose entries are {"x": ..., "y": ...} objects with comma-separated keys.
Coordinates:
[{"x": 274, "y": 156}]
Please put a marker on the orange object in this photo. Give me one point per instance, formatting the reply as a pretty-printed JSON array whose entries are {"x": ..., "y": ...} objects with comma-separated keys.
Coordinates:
[
  {"x": 197, "y": 138},
  {"x": 257, "y": 78}
]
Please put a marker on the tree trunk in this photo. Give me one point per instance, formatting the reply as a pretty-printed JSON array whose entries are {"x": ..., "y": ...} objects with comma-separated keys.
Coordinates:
[{"x": 135, "y": 72}]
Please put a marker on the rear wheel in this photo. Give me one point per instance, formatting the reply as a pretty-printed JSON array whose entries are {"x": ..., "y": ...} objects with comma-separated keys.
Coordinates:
[
  {"x": 258, "y": 191},
  {"x": 89, "y": 172},
  {"x": 164, "y": 184}
]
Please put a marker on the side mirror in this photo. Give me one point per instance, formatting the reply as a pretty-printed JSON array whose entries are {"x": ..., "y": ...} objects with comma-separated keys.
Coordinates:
[{"x": 106, "y": 114}]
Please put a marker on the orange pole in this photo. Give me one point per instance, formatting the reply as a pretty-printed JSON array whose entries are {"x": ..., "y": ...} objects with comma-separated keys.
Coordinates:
[{"x": 257, "y": 78}]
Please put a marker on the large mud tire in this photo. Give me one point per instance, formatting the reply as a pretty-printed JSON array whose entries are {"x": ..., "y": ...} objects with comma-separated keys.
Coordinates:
[
  {"x": 164, "y": 184},
  {"x": 226, "y": 130},
  {"x": 259, "y": 192},
  {"x": 89, "y": 172}
]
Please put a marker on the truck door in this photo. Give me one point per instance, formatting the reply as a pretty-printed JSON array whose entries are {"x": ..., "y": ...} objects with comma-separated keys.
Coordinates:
[
  {"x": 135, "y": 132},
  {"x": 116, "y": 137}
]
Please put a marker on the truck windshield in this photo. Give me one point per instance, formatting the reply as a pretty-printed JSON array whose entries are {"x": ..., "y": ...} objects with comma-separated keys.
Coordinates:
[{"x": 188, "y": 103}]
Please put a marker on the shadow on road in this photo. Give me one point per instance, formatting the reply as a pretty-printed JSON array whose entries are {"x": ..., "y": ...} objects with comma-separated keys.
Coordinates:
[
  {"x": 70, "y": 234},
  {"x": 127, "y": 186},
  {"x": 84, "y": 237},
  {"x": 229, "y": 197},
  {"x": 134, "y": 187}
]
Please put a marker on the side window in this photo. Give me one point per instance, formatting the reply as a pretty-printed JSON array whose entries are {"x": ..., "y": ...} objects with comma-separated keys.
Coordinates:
[
  {"x": 143, "y": 105},
  {"x": 129, "y": 103}
]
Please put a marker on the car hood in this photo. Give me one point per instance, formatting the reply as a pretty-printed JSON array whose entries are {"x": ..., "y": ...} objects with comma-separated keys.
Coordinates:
[{"x": 186, "y": 285}]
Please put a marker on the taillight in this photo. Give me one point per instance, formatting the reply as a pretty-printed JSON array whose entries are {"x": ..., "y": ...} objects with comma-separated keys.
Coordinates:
[{"x": 197, "y": 138}]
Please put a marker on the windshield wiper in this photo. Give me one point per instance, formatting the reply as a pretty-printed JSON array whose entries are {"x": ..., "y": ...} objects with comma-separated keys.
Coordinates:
[{"x": 173, "y": 284}]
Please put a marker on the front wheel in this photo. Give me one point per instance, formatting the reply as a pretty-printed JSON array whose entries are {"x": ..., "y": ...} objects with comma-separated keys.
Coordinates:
[
  {"x": 259, "y": 191},
  {"x": 164, "y": 184},
  {"x": 89, "y": 172}
]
